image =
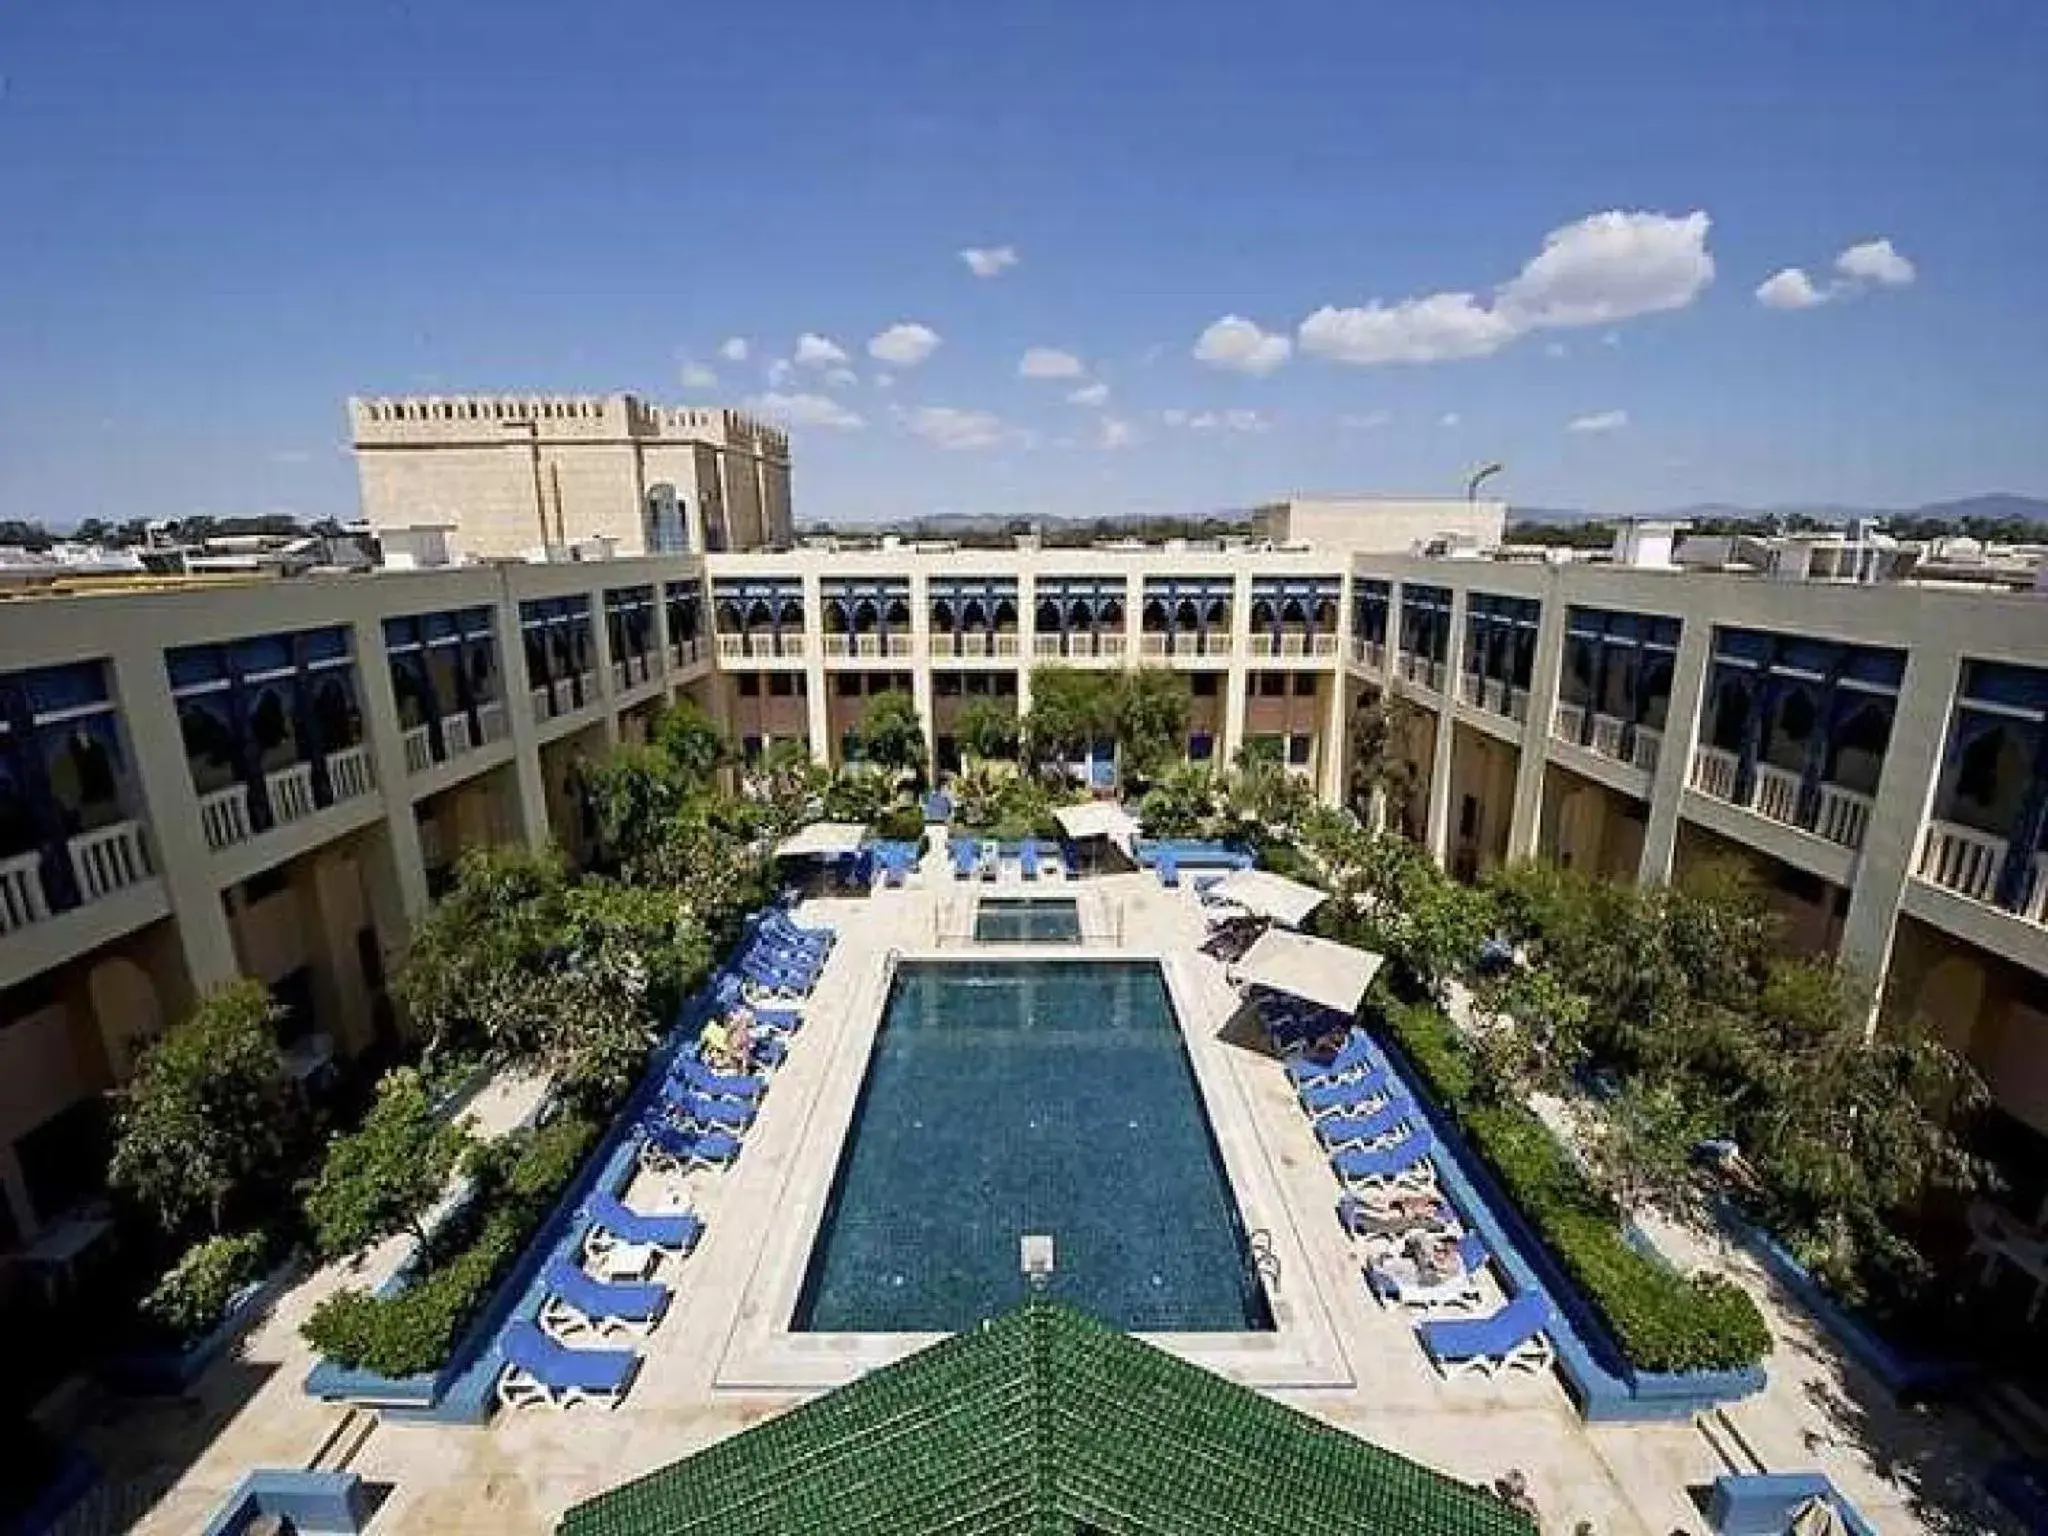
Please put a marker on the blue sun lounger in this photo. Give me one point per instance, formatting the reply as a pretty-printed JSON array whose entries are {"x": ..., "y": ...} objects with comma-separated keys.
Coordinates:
[
  {"x": 786, "y": 934},
  {"x": 1360, "y": 1220},
  {"x": 1511, "y": 1339},
  {"x": 792, "y": 962},
  {"x": 730, "y": 992},
  {"x": 773, "y": 982},
  {"x": 1365, "y": 1130},
  {"x": 963, "y": 851},
  {"x": 1168, "y": 869},
  {"x": 717, "y": 1085},
  {"x": 538, "y": 1370},
  {"x": 713, "y": 1114},
  {"x": 1354, "y": 1056},
  {"x": 579, "y": 1305},
  {"x": 1325, "y": 1097},
  {"x": 1390, "y": 1286},
  {"x": 675, "y": 1232},
  {"x": 1405, "y": 1162},
  {"x": 1027, "y": 858},
  {"x": 667, "y": 1148}
]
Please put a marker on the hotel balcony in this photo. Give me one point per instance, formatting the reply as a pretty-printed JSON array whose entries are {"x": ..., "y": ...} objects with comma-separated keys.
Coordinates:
[
  {"x": 762, "y": 646},
  {"x": 685, "y": 653},
  {"x": 1369, "y": 654},
  {"x": 225, "y": 815},
  {"x": 629, "y": 671},
  {"x": 1415, "y": 668},
  {"x": 1967, "y": 862},
  {"x": 1611, "y": 737},
  {"x": 1158, "y": 645},
  {"x": 103, "y": 861},
  {"x": 1841, "y": 816},
  {"x": 459, "y": 737}
]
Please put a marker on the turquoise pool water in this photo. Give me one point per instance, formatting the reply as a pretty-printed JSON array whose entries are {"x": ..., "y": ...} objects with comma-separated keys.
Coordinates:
[
  {"x": 1006, "y": 1098},
  {"x": 1026, "y": 920}
]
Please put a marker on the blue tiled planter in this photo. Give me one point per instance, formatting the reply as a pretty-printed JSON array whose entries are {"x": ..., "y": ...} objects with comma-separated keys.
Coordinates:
[
  {"x": 1764, "y": 1504},
  {"x": 169, "y": 1372},
  {"x": 1603, "y": 1384},
  {"x": 318, "y": 1503}
]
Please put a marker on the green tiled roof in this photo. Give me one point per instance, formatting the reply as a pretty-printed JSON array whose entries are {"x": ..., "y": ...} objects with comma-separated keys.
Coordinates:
[{"x": 1046, "y": 1423}]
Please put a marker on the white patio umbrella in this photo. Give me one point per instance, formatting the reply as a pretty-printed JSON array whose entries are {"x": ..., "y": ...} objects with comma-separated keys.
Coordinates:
[
  {"x": 1315, "y": 970},
  {"x": 1265, "y": 894},
  {"x": 823, "y": 840}
]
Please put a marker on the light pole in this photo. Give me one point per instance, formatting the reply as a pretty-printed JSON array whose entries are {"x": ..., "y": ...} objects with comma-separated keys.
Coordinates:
[{"x": 1484, "y": 473}]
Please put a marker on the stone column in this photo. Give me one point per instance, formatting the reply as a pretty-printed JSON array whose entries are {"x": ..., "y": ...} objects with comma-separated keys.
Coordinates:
[
  {"x": 1674, "y": 755},
  {"x": 521, "y": 728},
  {"x": 1906, "y": 786},
  {"x": 607, "y": 691},
  {"x": 163, "y": 778},
  {"x": 816, "y": 697},
  {"x": 1237, "y": 682},
  {"x": 1437, "y": 826},
  {"x": 1546, "y": 670},
  {"x": 386, "y": 739},
  {"x": 662, "y": 666},
  {"x": 921, "y": 664}
]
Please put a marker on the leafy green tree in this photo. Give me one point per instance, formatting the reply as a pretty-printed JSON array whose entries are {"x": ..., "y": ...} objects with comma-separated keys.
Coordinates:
[
  {"x": 206, "y": 1118},
  {"x": 1382, "y": 777},
  {"x": 636, "y": 792},
  {"x": 1262, "y": 792},
  {"x": 891, "y": 736},
  {"x": 988, "y": 729},
  {"x": 859, "y": 792},
  {"x": 1148, "y": 715},
  {"x": 1640, "y": 1147},
  {"x": 1070, "y": 710},
  {"x": 693, "y": 742},
  {"x": 1183, "y": 803},
  {"x": 381, "y": 1178}
]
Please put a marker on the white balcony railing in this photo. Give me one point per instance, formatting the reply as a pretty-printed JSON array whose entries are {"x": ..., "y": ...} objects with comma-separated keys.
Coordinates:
[
  {"x": 1187, "y": 645},
  {"x": 1568, "y": 721},
  {"x": 974, "y": 643},
  {"x": 1153, "y": 645},
  {"x": 589, "y": 688},
  {"x": 636, "y": 667},
  {"x": 732, "y": 647},
  {"x": 1293, "y": 643},
  {"x": 542, "y": 702},
  {"x": 349, "y": 774},
  {"x": 1436, "y": 677},
  {"x": 2035, "y": 908},
  {"x": 290, "y": 792},
  {"x": 1607, "y": 734},
  {"x": 1843, "y": 815},
  {"x": 109, "y": 859},
  {"x": 224, "y": 816},
  {"x": 1776, "y": 794},
  {"x": 21, "y": 892},
  {"x": 1713, "y": 772},
  {"x": 618, "y": 677},
  {"x": 1494, "y": 696},
  {"x": 898, "y": 646},
  {"x": 1470, "y": 688},
  {"x": 944, "y": 645},
  {"x": 1049, "y": 647},
  {"x": 1004, "y": 644},
  {"x": 837, "y": 646},
  {"x": 455, "y": 734},
  {"x": 1265, "y": 645},
  {"x": 1963, "y": 860},
  {"x": 675, "y": 655},
  {"x": 490, "y": 720},
  {"x": 792, "y": 645},
  {"x": 419, "y": 745},
  {"x": 1322, "y": 645},
  {"x": 1518, "y": 705},
  {"x": 1649, "y": 746},
  {"x": 868, "y": 647},
  {"x": 561, "y": 696},
  {"x": 1111, "y": 647}
]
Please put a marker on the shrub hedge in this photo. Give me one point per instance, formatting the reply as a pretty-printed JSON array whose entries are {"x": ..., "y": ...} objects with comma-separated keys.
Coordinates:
[
  {"x": 516, "y": 1180},
  {"x": 1662, "y": 1320},
  {"x": 193, "y": 1296}
]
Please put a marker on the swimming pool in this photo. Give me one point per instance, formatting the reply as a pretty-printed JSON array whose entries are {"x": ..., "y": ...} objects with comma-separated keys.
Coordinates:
[
  {"x": 1027, "y": 920},
  {"x": 1009, "y": 1097}
]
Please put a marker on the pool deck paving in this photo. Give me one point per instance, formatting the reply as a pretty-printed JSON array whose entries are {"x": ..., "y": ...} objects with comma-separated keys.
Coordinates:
[{"x": 723, "y": 1358}]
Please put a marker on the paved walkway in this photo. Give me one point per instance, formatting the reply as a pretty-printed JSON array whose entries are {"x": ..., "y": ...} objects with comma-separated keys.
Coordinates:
[{"x": 517, "y": 1474}]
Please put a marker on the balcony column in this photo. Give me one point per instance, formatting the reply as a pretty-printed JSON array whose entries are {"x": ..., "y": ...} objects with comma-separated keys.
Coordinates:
[
  {"x": 921, "y": 666},
  {"x": 1437, "y": 828},
  {"x": 1674, "y": 757},
  {"x": 1236, "y": 682},
  {"x": 601, "y": 636},
  {"x": 662, "y": 641},
  {"x": 1546, "y": 673},
  {"x": 1134, "y": 620},
  {"x": 521, "y": 728},
  {"x": 1906, "y": 786},
  {"x": 1027, "y": 639},
  {"x": 163, "y": 777},
  {"x": 386, "y": 739},
  {"x": 818, "y": 706}
]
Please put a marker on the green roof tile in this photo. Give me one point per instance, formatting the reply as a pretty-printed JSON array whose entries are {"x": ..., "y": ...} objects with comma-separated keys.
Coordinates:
[{"x": 1045, "y": 1423}]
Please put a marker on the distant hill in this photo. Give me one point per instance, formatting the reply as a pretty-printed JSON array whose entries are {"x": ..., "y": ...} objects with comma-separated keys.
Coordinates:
[{"x": 1992, "y": 506}]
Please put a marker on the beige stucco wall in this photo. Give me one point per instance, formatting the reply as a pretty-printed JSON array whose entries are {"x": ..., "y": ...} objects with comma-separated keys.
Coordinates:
[{"x": 1381, "y": 524}]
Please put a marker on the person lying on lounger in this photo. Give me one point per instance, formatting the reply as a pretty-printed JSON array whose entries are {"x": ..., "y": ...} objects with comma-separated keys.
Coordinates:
[{"x": 1435, "y": 1258}]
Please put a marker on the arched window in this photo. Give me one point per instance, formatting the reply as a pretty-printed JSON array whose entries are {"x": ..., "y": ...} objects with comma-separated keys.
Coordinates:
[
  {"x": 1186, "y": 618},
  {"x": 1080, "y": 614},
  {"x": 865, "y": 617},
  {"x": 209, "y": 746},
  {"x": 1858, "y": 748},
  {"x": 83, "y": 779},
  {"x": 1792, "y": 730},
  {"x": 1004, "y": 618},
  {"x": 942, "y": 615},
  {"x": 1111, "y": 614},
  {"x": 1154, "y": 616},
  {"x": 973, "y": 615},
  {"x": 896, "y": 614},
  {"x": 1731, "y": 714},
  {"x": 728, "y": 616},
  {"x": 335, "y": 720},
  {"x": 1262, "y": 614},
  {"x": 1325, "y": 616},
  {"x": 1992, "y": 771},
  {"x": 1048, "y": 618},
  {"x": 270, "y": 730}
]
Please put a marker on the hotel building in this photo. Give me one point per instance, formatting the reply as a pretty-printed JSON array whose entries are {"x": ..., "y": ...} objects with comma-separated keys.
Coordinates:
[{"x": 273, "y": 778}]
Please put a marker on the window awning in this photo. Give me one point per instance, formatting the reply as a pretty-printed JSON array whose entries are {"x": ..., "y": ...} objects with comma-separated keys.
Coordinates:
[
  {"x": 1315, "y": 970},
  {"x": 1265, "y": 894},
  {"x": 823, "y": 840}
]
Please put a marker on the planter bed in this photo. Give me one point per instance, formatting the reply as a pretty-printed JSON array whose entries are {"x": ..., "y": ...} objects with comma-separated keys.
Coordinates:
[
  {"x": 170, "y": 1371},
  {"x": 459, "y": 1392},
  {"x": 1600, "y": 1377}
]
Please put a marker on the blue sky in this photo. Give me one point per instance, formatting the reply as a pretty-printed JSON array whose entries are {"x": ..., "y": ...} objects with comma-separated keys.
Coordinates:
[{"x": 1455, "y": 229}]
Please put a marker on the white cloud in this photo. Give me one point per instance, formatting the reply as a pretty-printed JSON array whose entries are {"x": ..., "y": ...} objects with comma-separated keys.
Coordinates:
[
  {"x": 1599, "y": 421},
  {"x": 800, "y": 410},
  {"x": 1603, "y": 268},
  {"x": 1442, "y": 326},
  {"x": 1090, "y": 394},
  {"x": 1366, "y": 421},
  {"x": 1790, "y": 289},
  {"x": 945, "y": 426},
  {"x": 815, "y": 351},
  {"x": 697, "y": 376},
  {"x": 989, "y": 261},
  {"x": 883, "y": 380},
  {"x": 1216, "y": 421},
  {"x": 1049, "y": 363},
  {"x": 1556, "y": 349},
  {"x": 1235, "y": 342},
  {"x": 1449, "y": 419},
  {"x": 733, "y": 349},
  {"x": 780, "y": 371},
  {"x": 906, "y": 344},
  {"x": 841, "y": 378},
  {"x": 1113, "y": 432},
  {"x": 1876, "y": 261}
]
